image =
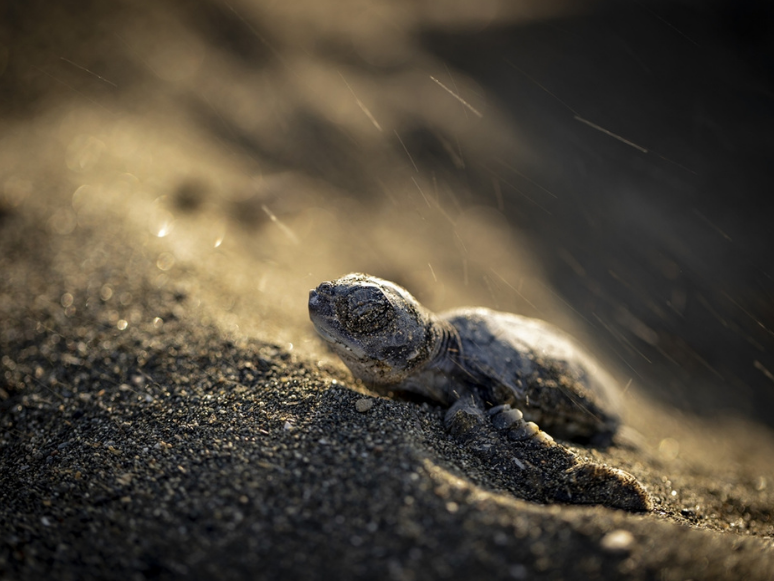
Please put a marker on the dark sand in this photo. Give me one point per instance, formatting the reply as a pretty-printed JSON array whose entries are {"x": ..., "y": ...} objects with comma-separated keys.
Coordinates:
[{"x": 165, "y": 409}]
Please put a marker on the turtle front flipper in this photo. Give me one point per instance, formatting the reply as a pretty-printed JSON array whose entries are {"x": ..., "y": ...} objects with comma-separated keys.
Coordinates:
[{"x": 534, "y": 466}]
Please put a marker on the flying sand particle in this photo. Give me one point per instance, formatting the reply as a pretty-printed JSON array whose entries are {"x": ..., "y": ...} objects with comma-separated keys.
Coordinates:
[
  {"x": 456, "y": 96},
  {"x": 610, "y": 133},
  {"x": 411, "y": 159},
  {"x": 100, "y": 77},
  {"x": 288, "y": 232},
  {"x": 360, "y": 104}
]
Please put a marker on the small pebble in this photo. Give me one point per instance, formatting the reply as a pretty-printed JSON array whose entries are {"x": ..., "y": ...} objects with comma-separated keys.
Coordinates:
[
  {"x": 617, "y": 541},
  {"x": 363, "y": 405}
]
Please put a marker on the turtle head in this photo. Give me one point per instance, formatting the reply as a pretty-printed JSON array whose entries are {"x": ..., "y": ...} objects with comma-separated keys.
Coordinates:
[{"x": 378, "y": 329}]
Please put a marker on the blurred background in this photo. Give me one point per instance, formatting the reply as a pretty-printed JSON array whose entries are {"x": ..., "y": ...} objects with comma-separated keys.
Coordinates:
[{"x": 606, "y": 166}]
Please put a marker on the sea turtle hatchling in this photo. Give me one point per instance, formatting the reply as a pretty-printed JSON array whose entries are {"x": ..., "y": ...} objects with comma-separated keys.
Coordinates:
[{"x": 499, "y": 373}]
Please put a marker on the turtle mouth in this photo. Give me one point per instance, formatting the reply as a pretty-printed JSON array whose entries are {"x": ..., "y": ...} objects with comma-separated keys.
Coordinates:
[
  {"x": 324, "y": 333},
  {"x": 323, "y": 316},
  {"x": 340, "y": 344},
  {"x": 337, "y": 342}
]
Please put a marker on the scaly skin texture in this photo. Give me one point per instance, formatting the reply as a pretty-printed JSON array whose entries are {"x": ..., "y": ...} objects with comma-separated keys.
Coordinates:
[{"x": 497, "y": 372}]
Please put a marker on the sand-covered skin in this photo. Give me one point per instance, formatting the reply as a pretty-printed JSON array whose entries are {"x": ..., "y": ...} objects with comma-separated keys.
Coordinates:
[{"x": 174, "y": 180}]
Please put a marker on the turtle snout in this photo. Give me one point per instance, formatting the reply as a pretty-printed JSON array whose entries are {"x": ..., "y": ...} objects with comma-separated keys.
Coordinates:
[
  {"x": 314, "y": 299},
  {"x": 320, "y": 297}
]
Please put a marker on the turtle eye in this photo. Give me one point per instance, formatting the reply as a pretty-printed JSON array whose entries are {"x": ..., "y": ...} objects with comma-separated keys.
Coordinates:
[{"x": 366, "y": 310}]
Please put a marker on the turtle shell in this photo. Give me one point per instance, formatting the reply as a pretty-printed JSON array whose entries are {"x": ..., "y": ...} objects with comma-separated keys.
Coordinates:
[{"x": 537, "y": 368}]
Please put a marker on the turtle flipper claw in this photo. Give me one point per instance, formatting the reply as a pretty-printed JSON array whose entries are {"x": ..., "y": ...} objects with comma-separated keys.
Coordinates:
[
  {"x": 601, "y": 484},
  {"x": 511, "y": 421}
]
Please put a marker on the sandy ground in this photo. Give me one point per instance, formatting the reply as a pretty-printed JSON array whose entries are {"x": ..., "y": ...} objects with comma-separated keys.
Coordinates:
[
  {"x": 165, "y": 407},
  {"x": 171, "y": 447}
]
